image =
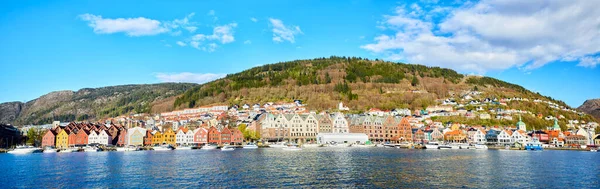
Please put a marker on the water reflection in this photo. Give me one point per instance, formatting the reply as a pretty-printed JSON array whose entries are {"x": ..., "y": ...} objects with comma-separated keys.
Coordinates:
[{"x": 319, "y": 167}]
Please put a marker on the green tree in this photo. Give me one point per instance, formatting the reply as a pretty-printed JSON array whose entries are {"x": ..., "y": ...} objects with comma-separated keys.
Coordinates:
[
  {"x": 414, "y": 81},
  {"x": 327, "y": 78},
  {"x": 33, "y": 137}
]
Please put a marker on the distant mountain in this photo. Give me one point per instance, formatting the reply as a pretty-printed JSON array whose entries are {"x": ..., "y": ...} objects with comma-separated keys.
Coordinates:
[
  {"x": 90, "y": 103},
  {"x": 591, "y": 107}
]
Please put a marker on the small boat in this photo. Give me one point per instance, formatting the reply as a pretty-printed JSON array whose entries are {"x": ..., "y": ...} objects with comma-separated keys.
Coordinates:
[
  {"x": 24, "y": 150},
  {"x": 363, "y": 145},
  {"x": 164, "y": 147},
  {"x": 90, "y": 149},
  {"x": 444, "y": 147},
  {"x": 534, "y": 145},
  {"x": 67, "y": 150},
  {"x": 183, "y": 148},
  {"x": 50, "y": 149},
  {"x": 227, "y": 148},
  {"x": 250, "y": 146},
  {"x": 127, "y": 149},
  {"x": 481, "y": 147},
  {"x": 292, "y": 147},
  {"x": 209, "y": 147},
  {"x": 457, "y": 146},
  {"x": 432, "y": 145},
  {"x": 311, "y": 145},
  {"x": 278, "y": 145},
  {"x": 593, "y": 150}
]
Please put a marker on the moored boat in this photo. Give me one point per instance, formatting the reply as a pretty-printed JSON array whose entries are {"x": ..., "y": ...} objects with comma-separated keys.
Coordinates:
[
  {"x": 278, "y": 145},
  {"x": 90, "y": 149},
  {"x": 250, "y": 146},
  {"x": 67, "y": 150},
  {"x": 432, "y": 145},
  {"x": 481, "y": 147},
  {"x": 311, "y": 145},
  {"x": 164, "y": 147},
  {"x": 292, "y": 147},
  {"x": 183, "y": 148},
  {"x": 227, "y": 148},
  {"x": 50, "y": 149},
  {"x": 534, "y": 145},
  {"x": 24, "y": 150},
  {"x": 209, "y": 147}
]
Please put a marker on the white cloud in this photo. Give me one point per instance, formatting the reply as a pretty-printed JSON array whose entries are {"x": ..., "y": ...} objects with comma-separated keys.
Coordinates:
[
  {"x": 282, "y": 32},
  {"x": 254, "y": 19},
  {"x": 589, "y": 62},
  {"x": 213, "y": 15},
  {"x": 191, "y": 28},
  {"x": 188, "y": 77},
  {"x": 492, "y": 34},
  {"x": 139, "y": 26},
  {"x": 247, "y": 42},
  {"x": 222, "y": 34},
  {"x": 180, "y": 43}
]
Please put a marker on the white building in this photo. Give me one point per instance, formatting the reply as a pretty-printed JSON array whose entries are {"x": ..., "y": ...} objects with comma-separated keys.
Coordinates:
[
  {"x": 479, "y": 137},
  {"x": 100, "y": 138},
  {"x": 342, "y": 138},
  {"x": 184, "y": 136},
  {"x": 340, "y": 124},
  {"x": 135, "y": 136},
  {"x": 520, "y": 136},
  {"x": 505, "y": 137}
]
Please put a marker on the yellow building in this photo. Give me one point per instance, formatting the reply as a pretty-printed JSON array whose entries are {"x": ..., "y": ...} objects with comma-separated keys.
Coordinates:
[
  {"x": 169, "y": 137},
  {"x": 158, "y": 138},
  {"x": 62, "y": 139}
]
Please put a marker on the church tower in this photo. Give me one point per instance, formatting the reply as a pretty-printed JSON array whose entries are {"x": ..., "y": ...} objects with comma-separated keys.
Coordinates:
[{"x": 521, "y": 125}]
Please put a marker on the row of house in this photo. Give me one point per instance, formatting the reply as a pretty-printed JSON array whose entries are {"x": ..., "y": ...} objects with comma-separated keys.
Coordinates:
[{"x": 82, "y": 134}]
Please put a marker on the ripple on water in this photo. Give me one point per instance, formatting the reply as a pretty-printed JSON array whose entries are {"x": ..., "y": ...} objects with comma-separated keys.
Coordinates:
[{"x": 319, "y": 167}]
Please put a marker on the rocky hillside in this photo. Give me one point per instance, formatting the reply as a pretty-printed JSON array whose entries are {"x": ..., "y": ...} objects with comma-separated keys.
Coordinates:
[
  {"x": 591, "y": 107},
  {"x": 360, "y": 83},
  {"x": 10, "y": 111},
  {"x": 88, "y": 103}
]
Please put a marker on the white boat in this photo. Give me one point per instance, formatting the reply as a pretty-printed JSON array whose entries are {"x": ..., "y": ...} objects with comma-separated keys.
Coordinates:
[
  {"x": 227, "y": 148},
  {"x": 165, "y": 147},
  {"x": 292, "y": 147},
  {"x": 363, "y": 145},
  {"x": 444, "y": 147},
  {"x": 209, "y": 147},
  {"x": 278, "y": 145},
  {"x": 457, "y": 146},
  {"x": 593, "y": 150},
  {"x": 90, "y": 149},
  {"x": 183, "y": 148},
  {"x": 432, "y": 145},
  {"x": 481, "y": 147},
  {"x": 250, "y": 146},
  {"x": 24, "y": 150},
  {"x": 67, "y": 150},
  {"x": 127, "y": 149},
  {"x": 49, "y": 149},
  {"x": 311, "y": 145}
]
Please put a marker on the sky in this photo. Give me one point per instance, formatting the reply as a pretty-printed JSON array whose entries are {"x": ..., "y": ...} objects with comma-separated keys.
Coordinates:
[{"x": 551, "y": 47}]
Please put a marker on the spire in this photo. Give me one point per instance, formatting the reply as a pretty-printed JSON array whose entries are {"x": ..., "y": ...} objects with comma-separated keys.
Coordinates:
[{"x": 556, "y": 126}]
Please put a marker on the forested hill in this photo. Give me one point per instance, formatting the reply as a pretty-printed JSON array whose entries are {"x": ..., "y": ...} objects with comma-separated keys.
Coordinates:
[
  {"x": 361, "y": 83},
  {"x": 90, "y": 103}
]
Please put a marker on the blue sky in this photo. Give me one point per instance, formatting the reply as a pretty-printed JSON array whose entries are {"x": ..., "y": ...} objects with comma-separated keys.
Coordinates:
[{"x": 548, "y": 47}]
